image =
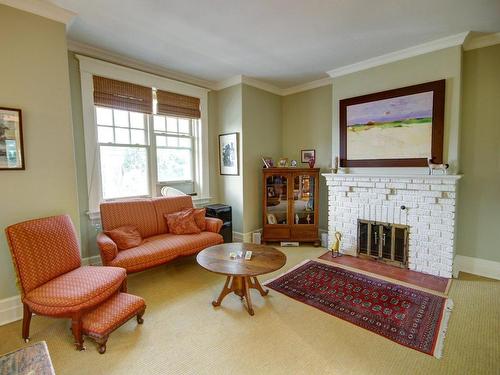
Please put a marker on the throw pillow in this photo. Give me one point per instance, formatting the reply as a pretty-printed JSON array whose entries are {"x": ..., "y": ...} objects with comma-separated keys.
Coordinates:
[
  {"x": 182, "y": 222},
  {"x": 199, "y": 217},
  {"x": 125, "y": 237}
]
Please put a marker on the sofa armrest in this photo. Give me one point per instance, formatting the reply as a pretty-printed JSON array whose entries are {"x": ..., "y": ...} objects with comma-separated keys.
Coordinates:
[
  {"x": 213, "y": 224},
  {"x": 107, "y": 247}
]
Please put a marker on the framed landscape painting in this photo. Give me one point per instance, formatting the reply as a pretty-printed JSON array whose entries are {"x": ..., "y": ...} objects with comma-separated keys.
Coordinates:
[
  {"x": 228, "y": 154},
  {"x": 11, "y": 139},
  {"x": 394, "y": 128}
]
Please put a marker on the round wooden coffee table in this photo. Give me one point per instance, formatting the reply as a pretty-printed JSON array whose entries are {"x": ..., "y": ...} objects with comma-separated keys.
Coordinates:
[{"x": 241, "y": 274}]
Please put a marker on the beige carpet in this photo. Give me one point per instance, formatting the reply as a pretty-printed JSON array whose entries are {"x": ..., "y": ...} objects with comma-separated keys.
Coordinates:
[{"x": 184, "y": 334}]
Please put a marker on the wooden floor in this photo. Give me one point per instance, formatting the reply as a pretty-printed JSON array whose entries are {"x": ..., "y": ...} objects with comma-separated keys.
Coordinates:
[{"x": 439, "y": 284}]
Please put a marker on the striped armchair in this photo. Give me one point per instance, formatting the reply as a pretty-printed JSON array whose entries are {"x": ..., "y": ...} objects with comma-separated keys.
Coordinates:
[{"x": 52, "y": 281}]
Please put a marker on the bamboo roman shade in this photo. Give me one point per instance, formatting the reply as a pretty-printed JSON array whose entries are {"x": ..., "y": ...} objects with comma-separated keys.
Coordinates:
[
  {"x": 172, "y": 104},
  {"x": 122, "y": 95}
]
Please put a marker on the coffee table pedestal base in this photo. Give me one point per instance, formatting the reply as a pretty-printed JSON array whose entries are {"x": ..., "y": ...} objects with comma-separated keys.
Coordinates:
[{"x": 241, "y": 286}]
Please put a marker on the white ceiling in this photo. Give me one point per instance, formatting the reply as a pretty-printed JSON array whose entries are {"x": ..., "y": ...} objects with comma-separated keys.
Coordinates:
[{"x": 281, "y": 42}]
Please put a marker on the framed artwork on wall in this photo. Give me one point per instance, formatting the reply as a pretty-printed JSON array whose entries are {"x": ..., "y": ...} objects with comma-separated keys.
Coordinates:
[
  {"x": 395, "y": 128},
  {"x": 306, "y": 155},
  {"x": 229, "y": 154},
  {"x": 11, "y": 139}
]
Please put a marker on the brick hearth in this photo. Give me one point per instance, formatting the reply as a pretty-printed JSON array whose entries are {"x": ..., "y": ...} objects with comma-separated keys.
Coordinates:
[{"x": 429, "y": 203}]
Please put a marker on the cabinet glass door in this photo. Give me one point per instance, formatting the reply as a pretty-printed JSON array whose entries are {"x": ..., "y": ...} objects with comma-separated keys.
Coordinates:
[
  {"x": 304, "y": 200},
  {"x": 276, "y": 200}
]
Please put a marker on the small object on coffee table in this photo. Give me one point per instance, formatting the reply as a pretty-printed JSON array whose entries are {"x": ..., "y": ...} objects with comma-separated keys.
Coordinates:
[
  {"x": 241, "y": 275},
  {"x": 232, "y": 255},
  {"x": 248, "y": 255}
]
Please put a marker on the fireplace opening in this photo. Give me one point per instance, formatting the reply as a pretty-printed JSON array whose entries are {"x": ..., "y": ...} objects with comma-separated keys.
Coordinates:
[{"x": 384, "y": 242}]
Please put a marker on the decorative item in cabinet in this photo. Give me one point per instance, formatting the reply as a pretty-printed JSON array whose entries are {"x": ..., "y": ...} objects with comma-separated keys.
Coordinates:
[{"x": 290, "y": 201}]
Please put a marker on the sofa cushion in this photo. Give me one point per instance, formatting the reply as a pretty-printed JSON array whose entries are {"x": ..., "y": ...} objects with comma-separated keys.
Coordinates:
[
  {"x": 83, "y": 287},
  {"x": 199, "y": 217},
  {"x": 182, "y": 222},
  {"x": 125, "y": 237},
  {"x": 138, "y": 212},
  {"x": 168, "y": 205},
  {"x": 162, "y": 248}
]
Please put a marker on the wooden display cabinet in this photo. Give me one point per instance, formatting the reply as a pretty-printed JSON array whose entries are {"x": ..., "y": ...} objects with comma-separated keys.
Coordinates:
[{"x": 291, "y": 201}]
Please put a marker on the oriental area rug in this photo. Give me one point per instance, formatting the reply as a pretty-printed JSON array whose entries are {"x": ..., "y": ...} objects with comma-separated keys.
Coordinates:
[{"x": 410, "y": 317}]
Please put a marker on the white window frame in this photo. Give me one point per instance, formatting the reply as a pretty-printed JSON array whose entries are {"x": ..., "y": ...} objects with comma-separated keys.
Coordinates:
[{"x": 90, "y": 67}]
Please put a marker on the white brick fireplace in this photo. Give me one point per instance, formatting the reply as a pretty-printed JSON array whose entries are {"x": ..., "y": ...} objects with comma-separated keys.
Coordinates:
[{"x": 429, "y": 203}]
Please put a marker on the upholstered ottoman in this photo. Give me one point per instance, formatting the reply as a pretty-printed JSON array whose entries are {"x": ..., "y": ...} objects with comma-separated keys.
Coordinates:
[{"x": 99, "y": 323}]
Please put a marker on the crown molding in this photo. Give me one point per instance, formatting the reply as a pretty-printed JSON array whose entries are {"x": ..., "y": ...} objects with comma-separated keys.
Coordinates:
[
  {"x": 240, "y": 79},
  {"x": 482, "y": 41},
  {"x": 43, "y": 9},
  {"x": 231, "y": 81},
  {"x": 98, "y": 53},
  {"x": 435, "y": 45},
  {"x": 307, "y": 86}
]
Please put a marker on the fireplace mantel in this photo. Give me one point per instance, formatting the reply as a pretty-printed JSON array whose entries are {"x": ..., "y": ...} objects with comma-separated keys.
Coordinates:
[
  {"x": 395, "y": 176},
  {"x": 425, "y": 203}
]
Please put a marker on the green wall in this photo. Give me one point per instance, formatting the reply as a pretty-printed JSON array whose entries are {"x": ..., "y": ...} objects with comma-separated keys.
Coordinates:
[
  {"x": 229, "y": 114},
  {"x": 307, "y": 124},
  {"x": 479, "y": 195},
  {"x": 34, "y": 78},
  {"x": 262, "y": 129}
]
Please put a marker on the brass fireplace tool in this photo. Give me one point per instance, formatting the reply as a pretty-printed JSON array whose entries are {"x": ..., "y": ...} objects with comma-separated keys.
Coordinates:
[{"x": 336, "y": 246}]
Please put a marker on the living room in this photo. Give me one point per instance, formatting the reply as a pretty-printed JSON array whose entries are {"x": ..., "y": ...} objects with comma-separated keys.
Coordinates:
[{"x": 264, "y": 121}]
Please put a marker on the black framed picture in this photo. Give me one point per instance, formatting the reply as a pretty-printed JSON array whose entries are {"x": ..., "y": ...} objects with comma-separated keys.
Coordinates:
[
  {"x": 306, "y": 155},
  {"x": 11, "y": 139},
  {"x": 229, "y": 154}
]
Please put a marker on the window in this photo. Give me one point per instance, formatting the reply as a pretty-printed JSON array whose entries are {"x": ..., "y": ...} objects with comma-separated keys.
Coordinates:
[
  {"x": 174, "y": 148},
  {"x": 123, "y": 150},
  {"x": 142, "y": 132}
]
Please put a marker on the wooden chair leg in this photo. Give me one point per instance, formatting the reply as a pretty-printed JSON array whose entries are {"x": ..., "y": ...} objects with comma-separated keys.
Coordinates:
[
  {"x": 76, "y": 328},
  {"x": 139, "y": 316},
  {"x": 102, "y": 344},
  {"x": 26, "y": 322}
]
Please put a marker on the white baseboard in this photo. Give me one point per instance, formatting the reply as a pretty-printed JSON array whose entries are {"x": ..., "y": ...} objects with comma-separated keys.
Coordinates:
[
  {"x": 11, "y": 308},
  {"x": 476, "y": 266},
  {"x": 244, "y": 237}
]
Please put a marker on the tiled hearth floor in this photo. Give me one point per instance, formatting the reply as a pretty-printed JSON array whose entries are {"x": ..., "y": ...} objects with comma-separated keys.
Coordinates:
[{"x": 439, "y": 284}]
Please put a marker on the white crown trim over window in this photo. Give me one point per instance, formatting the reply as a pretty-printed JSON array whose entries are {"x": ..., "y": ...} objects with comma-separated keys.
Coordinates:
[{"x": 90, "y": 67}]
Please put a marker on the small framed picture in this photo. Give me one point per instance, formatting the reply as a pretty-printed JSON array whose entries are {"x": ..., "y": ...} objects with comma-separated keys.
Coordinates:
[
  {"x": 268, "y": 162},
  {"x": 11, "y": 139},
  {"x": 228, "y": 154},
  {"x": 283, "y": 163},
  {"x": 271, "y": 219},
  {"x": 306, "y": 155}
]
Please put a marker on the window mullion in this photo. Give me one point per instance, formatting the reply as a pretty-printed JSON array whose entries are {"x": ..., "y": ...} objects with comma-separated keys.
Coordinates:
[{"x": 153, "y": 168}]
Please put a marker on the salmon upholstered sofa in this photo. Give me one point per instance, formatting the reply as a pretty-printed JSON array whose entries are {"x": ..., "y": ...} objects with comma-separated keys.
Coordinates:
[{"x": 158, "y": 245}]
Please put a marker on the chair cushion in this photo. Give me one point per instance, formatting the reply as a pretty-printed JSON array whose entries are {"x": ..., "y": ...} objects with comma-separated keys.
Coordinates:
[
  {"x": 111, "y": 314},
  {"x": 76, "y": 290},
  {"x": 182, "y": 222},
  {"x": 160, "y": 249},
  {"x": 125, "y": 237},
  {"x": 168, "y": 205}
]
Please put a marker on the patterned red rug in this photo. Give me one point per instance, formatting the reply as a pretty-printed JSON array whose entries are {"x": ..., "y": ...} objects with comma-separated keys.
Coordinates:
[{"x": 410, "y": 317}]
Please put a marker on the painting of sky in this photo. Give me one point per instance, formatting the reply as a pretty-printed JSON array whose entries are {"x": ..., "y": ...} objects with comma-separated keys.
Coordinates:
[{"x": 388, "y": 110}]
